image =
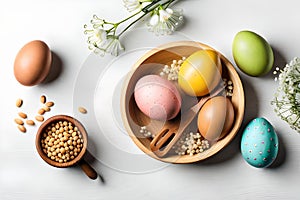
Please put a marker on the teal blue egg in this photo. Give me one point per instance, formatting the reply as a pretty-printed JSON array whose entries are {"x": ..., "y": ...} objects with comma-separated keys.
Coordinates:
[{"x": 259, "y": 143}]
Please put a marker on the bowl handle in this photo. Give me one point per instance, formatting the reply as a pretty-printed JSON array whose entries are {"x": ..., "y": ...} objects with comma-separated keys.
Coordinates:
[{"x": 87, "y": 169}]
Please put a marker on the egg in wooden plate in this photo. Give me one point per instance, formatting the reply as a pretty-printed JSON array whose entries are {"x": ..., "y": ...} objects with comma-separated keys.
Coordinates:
[{"x": 136, "y": 121}]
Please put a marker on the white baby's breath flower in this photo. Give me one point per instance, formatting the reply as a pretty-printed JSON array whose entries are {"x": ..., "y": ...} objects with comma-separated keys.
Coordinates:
[
  {"x": 112, "y": 45},
  {"x": 103, "y": 36},
  {"x": 287, "y": 96},
  {"x": 97, "y": 22},
  {"x": 165, "y": 21},
  {"x": 96, "y": 37},
  {"x": 132, "y": 5},
  {"x": 100, "y": 43}
]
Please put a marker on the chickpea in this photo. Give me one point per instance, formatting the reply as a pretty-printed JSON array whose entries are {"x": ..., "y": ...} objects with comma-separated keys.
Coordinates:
[
  {"x": 62, "y": 150},
  {"x": 62, "y": 141},
  {"x": 69, "y": 142}
]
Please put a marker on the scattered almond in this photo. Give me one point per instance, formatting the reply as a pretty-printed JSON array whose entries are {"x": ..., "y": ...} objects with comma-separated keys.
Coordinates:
[
  {"x": 46, "y": 108},
  {"x": 19, "y": 103},
  {"x": 82, "y": 110},
  {"x": 19, "y": 121},
  {"x": 39, "y": 118},
  {"x": 50, "y": 104},
  {"x": 30, "y": 122},
  {"x": 41, "y": 111},
  {"x": 43, "y": 99},
  {"x": 22, "y": 115},
  {"x": 22, "y": 128}
]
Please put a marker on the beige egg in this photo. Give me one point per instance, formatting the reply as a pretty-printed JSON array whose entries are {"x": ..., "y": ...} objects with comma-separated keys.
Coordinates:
[
  {"x": 215, "y": 118},
  {"x": 32, "y": 63}
]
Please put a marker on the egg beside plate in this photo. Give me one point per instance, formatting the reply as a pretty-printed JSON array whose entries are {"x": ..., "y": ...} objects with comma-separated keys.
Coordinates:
[
  {"x": 32, "y": 63},
  {"x": 259, "y": 143}
]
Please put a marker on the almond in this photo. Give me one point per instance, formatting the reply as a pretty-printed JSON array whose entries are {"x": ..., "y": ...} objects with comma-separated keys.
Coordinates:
[
  {"x": 22, "y": 115},
  {"x": 43, "y": 99},
  {"x": 50, "y": 104},
  {"x": 19, "y": 103},
  {"x": 82, "y": 110},
  {"x": 39, "y": 118},
  {"x": 41, "y": 111},
  {"x": 30, "y": 122},
  {"x": 22, "y": 128},
  {"x": 19, "y": 121}
]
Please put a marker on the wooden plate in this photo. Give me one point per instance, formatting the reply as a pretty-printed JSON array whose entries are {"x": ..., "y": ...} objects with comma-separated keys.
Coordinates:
[{"x": 152, "y": 63}]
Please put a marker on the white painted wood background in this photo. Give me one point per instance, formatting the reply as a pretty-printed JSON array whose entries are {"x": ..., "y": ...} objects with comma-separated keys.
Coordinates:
[{"x": 23, "y": 175}]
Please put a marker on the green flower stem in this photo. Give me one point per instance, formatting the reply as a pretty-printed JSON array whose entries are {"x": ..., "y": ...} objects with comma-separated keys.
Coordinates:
[
  {"x": 149, "y": 8},
  {"x": 168, "y": 3},
  {"x": 124, "y": 20},
  {"x": 132, "y": 23}
]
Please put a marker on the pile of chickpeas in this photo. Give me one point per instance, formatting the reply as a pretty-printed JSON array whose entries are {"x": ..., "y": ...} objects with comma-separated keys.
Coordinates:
[{"x": 62, "y": 141}]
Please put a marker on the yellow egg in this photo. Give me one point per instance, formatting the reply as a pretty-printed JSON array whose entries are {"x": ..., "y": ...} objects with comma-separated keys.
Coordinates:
[{"x": 200, "y": 73}]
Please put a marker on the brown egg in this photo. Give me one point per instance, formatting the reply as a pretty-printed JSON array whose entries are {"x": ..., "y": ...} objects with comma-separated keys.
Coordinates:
[
  {"x": 215, "y": 118},
  {"x": 32, "y": 63}
]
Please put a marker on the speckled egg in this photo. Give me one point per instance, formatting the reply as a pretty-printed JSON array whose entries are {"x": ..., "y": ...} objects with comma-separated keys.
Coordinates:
[
  {"x": 259, "y": 143},
  {"x": 157, "y": 97}
]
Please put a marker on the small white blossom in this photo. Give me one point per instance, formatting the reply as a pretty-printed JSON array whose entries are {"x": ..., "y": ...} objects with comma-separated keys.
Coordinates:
[
  {"x": 132, "y": 5},
  {"x": 95, "y": 37},
  {"x": 97, "y": 22},
  {"x": 165, "y": 21},
  {"x": 103, "y": 36},
  {"x": 112, "y": 45},
  {"x": 100, "y": 43},
  {"x": 287, "y": 96}
]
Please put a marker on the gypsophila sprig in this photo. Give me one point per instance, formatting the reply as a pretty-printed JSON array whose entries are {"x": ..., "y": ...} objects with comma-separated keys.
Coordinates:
[
  {"x": 104, "y": 37},
  {"x": 287, "y": 97},
  {"x": 165, "y": 21}
]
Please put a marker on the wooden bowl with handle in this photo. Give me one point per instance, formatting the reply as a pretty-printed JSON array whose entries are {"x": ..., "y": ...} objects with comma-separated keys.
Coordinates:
[
  {"x": 89, "y": 171},
  {"x": 152, "y": 63}
]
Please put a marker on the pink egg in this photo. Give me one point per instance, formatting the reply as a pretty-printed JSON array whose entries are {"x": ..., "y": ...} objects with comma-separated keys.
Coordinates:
[{"x": 157, "y": 97}]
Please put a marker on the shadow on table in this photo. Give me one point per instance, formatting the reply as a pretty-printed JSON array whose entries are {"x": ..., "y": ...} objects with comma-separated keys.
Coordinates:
[
  {"x": 55, "y": 70},
  {"x": 89, "y": 158},
  {"x": 92, "y": 161},
  {"x": 279, "y": 61},
  {"x": 282, "y": 156}
]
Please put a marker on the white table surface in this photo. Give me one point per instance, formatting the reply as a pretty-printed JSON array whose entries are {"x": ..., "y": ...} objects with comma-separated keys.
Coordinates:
[{"x": 24, "y": 175}]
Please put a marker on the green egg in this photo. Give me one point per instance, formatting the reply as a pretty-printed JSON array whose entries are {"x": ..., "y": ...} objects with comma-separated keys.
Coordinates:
[{"x": 252, "y": 53}]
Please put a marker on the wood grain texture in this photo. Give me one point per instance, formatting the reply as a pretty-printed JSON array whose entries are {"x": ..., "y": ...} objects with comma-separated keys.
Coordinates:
[{"x": 151, "y": 63}]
